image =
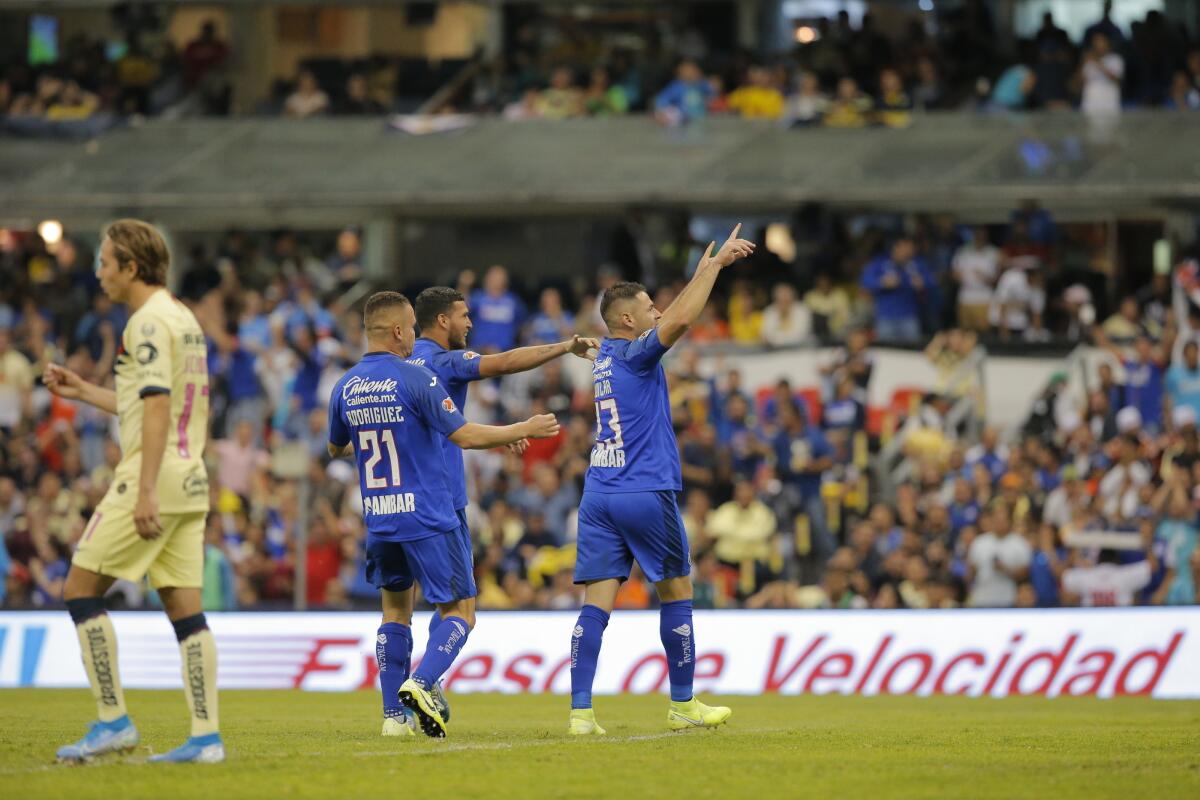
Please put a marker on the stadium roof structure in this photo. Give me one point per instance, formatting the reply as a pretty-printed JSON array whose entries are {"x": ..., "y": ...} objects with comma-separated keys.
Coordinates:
[{"x": 201, "y": 172}]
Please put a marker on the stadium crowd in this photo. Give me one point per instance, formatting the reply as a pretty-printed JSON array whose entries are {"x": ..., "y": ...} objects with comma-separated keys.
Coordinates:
[
  {"x": 838, "y": 75},
  {"x": 780, "y": 501}
]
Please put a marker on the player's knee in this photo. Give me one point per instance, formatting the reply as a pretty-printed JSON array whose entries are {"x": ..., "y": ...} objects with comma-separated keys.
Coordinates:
[
  {"x": 399, "y": 616},
  {"x": 674, "y": 589}
]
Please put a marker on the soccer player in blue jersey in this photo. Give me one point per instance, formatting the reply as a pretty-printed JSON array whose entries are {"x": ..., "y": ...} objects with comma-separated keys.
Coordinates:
[
  {"x": 629, "y": 509},
  {"x": 445, "y": 323},
  {"x": 392, "y": 416}
]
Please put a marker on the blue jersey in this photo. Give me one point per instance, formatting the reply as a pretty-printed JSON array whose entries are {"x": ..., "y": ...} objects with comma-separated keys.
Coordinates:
[
  {"x": 397, "y": 415},
  {"x": 635, "y": 448},
  {"x": 455, "y": 369}
]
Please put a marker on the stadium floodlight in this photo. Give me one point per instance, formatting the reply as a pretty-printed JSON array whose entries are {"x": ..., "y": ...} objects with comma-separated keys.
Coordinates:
[
  {"x": 51, "y": 231},
  {"x": 806, "y": 34}
]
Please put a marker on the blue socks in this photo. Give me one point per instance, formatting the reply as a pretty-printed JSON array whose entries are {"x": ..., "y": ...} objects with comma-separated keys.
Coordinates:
[
  {"x": 393, "y": 649},
  {"x": 675, "y": 628},
  {"x": 585, "y": 651},
  {"x": 445, "y": 642}
]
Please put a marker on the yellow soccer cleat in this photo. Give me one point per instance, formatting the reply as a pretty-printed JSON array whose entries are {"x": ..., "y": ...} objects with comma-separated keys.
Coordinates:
[
  {"x": 421, "y": 704},
  {"x": 694, "y": 714},
  {"x": 583, "y": 723},
  {"x": 399, "y": 726}
]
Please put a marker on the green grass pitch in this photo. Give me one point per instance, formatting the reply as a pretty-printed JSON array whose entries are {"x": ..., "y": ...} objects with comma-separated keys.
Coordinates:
[{"x": 294, "y": 744}]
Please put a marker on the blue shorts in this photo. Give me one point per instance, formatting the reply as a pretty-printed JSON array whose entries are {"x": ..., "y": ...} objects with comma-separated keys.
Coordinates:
[
  {"x": 615, "y": 529},
  {"x": 441, "y": 563}
]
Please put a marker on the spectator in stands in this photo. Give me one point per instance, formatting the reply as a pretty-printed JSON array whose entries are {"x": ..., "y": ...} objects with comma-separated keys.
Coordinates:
[
  {"x": 742, "y": 529},
  {"x": 893, "y": 107},
  {"x": 357, "y": 100},
  {"x": 829, "y": 308},
  {"x": 552, "y": 323},
  {"x": 1175, "y": 544},
  {"x": 1183, "y": 380},
  {"x": 16, "y": 385},
  {"x": 802, "y": 456},
  {"x": 204, "y": 54},
  {"x": 1184, "y": 94},
  {"x": 1019, "y": 301},
  {"x": 1123, "y": 327},
  {"x": 136, "y": 75},
  {"x": 850, "y": 107},
  {"x": 757, "y": 97},
  {"x": 786, "y": 321},
  {"x": 602, "y": 98},
  {"x": 745, "y": 318},
  {"x": 346, "y": 263},
  {"x": 809, "y": 104},
  {"x": 1013, "y": 88},
  {"x": 1144, "y": 378},
  {"x": 998, "y": 561},
  {"x": 1108, "y": 582},
  {"x": 928, "y": 92},
  {"x": 308, "y": 100},
  {"x": 975, "y": 267},
  {"x": 562, "y": 98},
  {"x": 898, "y": 283},
  {"x": 1103, "y": 71},
  {"x": 684, "y": 99},
  {"x": 497, "y": 313}
]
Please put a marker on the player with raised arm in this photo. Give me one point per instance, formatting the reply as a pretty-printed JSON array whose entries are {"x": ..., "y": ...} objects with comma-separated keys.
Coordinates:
[
  {"x": 392, "y": 416},
  {"x": 445, "y": 322},
  {"x": 629, "y": 509},
  {"x": 152, "y": 519}
]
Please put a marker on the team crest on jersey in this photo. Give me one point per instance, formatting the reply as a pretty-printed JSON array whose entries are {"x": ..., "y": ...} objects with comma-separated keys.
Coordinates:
[
  {"x": 146, "y": 353},
  {"x": 448, "y": 404},
  {"x": 470, "y": 355}
]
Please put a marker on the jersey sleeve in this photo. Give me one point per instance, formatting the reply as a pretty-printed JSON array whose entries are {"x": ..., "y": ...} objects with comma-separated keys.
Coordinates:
[
  {"x": 433, "y": 406},
  {"x": 644, "y": 352},
  {"x": 339, "y": 434},
  {"x": 148, "y": 343},
  {"x": 457, "y": 365}
]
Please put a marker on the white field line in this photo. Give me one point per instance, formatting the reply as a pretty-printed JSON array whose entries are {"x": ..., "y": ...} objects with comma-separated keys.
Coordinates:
[{"x": 435, "y": 750}]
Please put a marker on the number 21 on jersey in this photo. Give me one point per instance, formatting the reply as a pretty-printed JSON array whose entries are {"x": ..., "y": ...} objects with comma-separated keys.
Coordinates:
[{"x": 372, "y": 444}]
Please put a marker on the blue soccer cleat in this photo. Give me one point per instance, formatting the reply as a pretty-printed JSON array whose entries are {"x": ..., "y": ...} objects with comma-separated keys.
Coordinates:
[
  {"x": 439, "y": 699},
  {"x": 118, "y": 736},
  {"x": 207, "y": 749}
]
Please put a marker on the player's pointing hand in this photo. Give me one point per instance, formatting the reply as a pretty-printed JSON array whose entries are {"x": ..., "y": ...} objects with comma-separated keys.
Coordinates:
[
  {"x": 583, "y": 346},
  {"x": 543, "y": 426},
  {"x": 733, "y": 250},
  {"x": 62, "y": 382}
]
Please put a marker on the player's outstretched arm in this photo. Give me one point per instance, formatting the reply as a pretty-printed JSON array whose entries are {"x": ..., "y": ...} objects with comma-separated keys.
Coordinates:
[
  {"x": 473, "y": 436},
  {"x": 67, "y": 384},
  {"x": 691, "y": 301},
  {"x": 527, "y": 358}
]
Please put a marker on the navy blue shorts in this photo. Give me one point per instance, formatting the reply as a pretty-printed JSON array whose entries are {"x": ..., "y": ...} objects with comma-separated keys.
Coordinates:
[
  {"x": 615, "y": 529},
  {"x": 441, "y": 563}
]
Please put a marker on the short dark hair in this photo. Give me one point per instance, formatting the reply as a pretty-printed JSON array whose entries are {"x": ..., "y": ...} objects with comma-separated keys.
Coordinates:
[
  {"x": 434, "y": 301},
  {"x": 141, "y": 243},
  {"x": 625, "y": 290},
  {"x": 379, "y": 303}
]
